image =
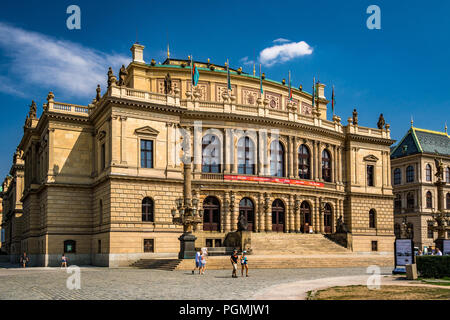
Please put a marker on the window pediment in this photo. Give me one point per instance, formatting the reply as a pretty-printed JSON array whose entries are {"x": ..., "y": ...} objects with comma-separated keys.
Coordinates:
[
  {"x": 146, "y": 131},
  {"x": 371, "y": 158}
]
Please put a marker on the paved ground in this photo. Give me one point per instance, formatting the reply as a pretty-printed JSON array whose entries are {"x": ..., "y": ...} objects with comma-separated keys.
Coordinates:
[{"x": 104, "y": 283}]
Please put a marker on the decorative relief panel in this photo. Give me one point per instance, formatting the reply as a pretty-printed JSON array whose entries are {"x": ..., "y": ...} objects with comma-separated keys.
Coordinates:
[
  {"x": 176, "y": 83},
  {"x": 221, "y": 88},
  {"x": 306, "y": 109},
  {"x": 202, "y": 87},
  {"x": 294, "y": 101},
  {"x": 274, "y": 100},
  {"x": 249, "y": 96}
]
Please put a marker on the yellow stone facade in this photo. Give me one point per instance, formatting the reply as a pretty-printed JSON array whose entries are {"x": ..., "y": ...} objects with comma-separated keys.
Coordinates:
[{"x": 84, "y": 181}]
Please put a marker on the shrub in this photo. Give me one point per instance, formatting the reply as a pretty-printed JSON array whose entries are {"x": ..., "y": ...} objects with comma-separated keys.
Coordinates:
[{"x": 433, "y": 266}]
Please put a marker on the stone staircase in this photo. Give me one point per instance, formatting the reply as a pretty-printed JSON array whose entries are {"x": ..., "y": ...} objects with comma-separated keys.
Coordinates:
[
  {"x": 158, "y": 264},
  {"x": 294, "y": 243}
]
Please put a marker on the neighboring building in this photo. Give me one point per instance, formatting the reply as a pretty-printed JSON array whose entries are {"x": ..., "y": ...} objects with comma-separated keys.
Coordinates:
[
  {"x": 12, "y": 188},
  {"x": 2, "y": 231},
  {"x": 101, "y": 180},
  {"x": 413, "y": 178}
]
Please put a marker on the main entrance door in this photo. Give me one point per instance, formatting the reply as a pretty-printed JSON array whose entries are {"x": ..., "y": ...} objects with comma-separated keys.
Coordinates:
[
  {"x": 247, "y": 208},
  {"x": 327, "y": 219},
  {"x": 278, "y": 216},
  {"x": 211, "y": 214},
  {"x": 305, "y": 213}
]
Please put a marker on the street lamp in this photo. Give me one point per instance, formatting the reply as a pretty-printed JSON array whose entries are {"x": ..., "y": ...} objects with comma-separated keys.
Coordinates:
[{"x": 187, "y": 215}]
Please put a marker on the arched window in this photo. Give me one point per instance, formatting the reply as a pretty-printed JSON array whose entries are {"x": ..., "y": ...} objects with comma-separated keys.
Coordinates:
[
  {"x": 327, "y": 218},
  {"x": 397, "y": 176},
  {"x": 428, "y": 173},
  {"x": 247, "y": 208},
  {"x": 326, "y": 166},
  {"x": 410, "y": 201},
  {"x": 410, "y": 174},
  {"x": 304, "y": 161},
  {"x": 398, "y": 204},
  {"x": 278, "y": 216},
  {"x": 448, "y": 201},
  {"x": 397, "y": 230},
  {"x": 70, "y": 246},
  {"x": 246, "y": 156},
  {"x": 211, "y": 214},
  {"x": 276, "y": 159},
  {"x": 305, "y": 214},
  {"x": 211, "y": 154},
  {"x": 447, "y": 174},
  {"x": 429, "y": 197},
  {"x": 147, "y": 210},
  {"x": 372, "y": 218}
]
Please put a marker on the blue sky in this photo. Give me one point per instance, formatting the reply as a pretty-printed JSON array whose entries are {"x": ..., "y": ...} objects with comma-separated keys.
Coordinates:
[{"x": 401, "y": 70}]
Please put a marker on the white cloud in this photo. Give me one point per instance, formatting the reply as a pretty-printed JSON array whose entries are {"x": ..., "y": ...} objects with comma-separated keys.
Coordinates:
[
  {"x": 281, "y": 40},
  {"x": 246, "y": 61},
  {"x": 284, "y": 52},
  {"x": 37, "y": 60}
]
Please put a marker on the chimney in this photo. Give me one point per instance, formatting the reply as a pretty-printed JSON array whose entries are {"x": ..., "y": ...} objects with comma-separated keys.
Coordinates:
[{"x": 138, "y": 53}]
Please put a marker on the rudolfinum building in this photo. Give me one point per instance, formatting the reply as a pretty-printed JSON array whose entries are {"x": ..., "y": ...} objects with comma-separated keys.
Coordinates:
[{"x": 99, "y": 182}]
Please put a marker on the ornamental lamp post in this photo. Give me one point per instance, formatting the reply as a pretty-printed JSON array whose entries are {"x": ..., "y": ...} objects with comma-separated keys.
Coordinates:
[{"x": 187, "y": 215}]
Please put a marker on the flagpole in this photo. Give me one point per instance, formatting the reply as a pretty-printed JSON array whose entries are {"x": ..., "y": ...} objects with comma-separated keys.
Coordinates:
[
  {"x": 333, "y": 101},
  {"x": 192, "y": 77}
]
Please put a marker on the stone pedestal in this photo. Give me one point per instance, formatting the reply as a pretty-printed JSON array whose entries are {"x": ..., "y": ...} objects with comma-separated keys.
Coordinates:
[
  {"x": 439, "y": 243},
  {"x": 187, "y": 246},
  {"x": 246, "y": 240},
  {"x": 411, "y": 271}
]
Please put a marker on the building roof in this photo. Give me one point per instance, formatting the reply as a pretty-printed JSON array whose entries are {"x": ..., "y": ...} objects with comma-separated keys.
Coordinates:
[{"x": 422, "y": 141}]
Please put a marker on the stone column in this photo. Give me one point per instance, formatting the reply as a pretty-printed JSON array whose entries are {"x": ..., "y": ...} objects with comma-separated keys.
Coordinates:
[
  {"x": 256, "y": 216},
  {"x": 225, "y": 222},
  {"x": 319, "y": 161},
  {"x": 340, "y": 150},
  {"x": 291, "y": 157},
  {"x": 268, "y": 212},
  {"x": 335, "y": 165},
  {"x": 297, "y": 203},
  {"x": 170, "y": 145},
  {"x": 123, "y": 147},
  {"x": 234, "y": 208},
  {"x": 313, "y": 161},
  {"x": 295, "y": 158},
  {"x": 227, "y": 151},
  {"x": 315, "y": 221},
  {"x": 321, "y": 217},
  {"x": 291, "y": 214},
  {"x": 262, "y": 152},
  {"x": 197, "y": 147},
  {"x": 261, "y": 213},
  {"x": 233, "y": 152},
  {"x": 111, "y": 155},
  {"x": 51, "y": 151}
]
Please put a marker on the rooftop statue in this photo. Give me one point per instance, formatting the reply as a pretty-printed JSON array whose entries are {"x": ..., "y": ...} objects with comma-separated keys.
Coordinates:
[
  {"x": 355, "y": 117},
  {"x": 439, "y": 169},
  {"x": 33, "y": 110},
  {"x": 381, "y": 122},
  {"x": 167, "y": 84},
  {"x": 110, "y": 76},
  {"x": 123, "y": 73},
  {"x": 99, "y": 90}
]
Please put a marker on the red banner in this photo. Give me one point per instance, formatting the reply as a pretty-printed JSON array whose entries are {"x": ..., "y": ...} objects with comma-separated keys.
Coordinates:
[{"x": 274, "y": 180}]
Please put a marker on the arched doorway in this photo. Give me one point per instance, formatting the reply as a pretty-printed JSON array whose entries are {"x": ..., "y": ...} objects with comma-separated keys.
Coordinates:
[
  {"x": 211, "y": 214},
  {"x": 305, "y": 213},
  {"x": 247, "y": 208},
  {"x": 327, "y": 218},
  {"x": 278, "y": 216}
]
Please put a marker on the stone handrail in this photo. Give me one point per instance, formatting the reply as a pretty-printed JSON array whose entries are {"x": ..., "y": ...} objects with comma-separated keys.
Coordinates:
[{"x": 68, "y": 108}]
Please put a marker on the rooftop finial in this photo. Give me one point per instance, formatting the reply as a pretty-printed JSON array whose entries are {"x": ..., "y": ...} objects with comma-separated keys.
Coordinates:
[
  {"x": 412, "y": 121},
  {"x": 446, "y": 127},
  {"x": 168, "y": 51},
  {"x": 254, "y": 70}
]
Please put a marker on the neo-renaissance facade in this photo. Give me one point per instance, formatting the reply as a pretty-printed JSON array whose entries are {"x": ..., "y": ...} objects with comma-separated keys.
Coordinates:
[
  {"x": 99, "y": 181},
  {"x": 413, "y": 175}
]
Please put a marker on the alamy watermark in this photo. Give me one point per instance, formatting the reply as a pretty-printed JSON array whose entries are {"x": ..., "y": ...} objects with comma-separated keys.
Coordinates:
[
  {"x": 374, "y": 20},
  {"x": 74, "y": 20},
  {"x": 374, "y": 280},
  {"x": 74, "y": 280}
]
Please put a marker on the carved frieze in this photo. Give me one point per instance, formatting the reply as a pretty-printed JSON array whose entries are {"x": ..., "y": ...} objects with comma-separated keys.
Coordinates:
[
  {"x": 176, "y": 84},
  {"x": 202, "y": 88},
  {"x": 274, "y": 100},
  {"x": 306, "y": 109},
  {"x": 223, "y": 88},
  {"x": 249, "y": 96}
]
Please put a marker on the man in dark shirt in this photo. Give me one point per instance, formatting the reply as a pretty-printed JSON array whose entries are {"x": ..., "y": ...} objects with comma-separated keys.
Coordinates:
[{"x": 234, "y": 260}]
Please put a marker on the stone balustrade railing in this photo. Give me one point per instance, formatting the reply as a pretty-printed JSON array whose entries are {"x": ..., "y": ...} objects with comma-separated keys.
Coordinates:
[{"x": 227, "y": 106}]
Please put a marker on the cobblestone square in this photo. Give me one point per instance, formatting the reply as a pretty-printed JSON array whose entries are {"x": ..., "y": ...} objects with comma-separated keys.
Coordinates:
[{"x": 145, "y": 284}]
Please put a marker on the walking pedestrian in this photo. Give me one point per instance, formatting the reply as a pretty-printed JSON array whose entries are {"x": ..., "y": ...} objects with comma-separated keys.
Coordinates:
[
  {"x": 203, "y": 262},
  {"x": 24, "y": 260},
  {"x": 197, "y": 262},
  {"x": 234, "y": 260},
  {"x": 64, "y": 261},
  {"x": 244, "y": 264}
]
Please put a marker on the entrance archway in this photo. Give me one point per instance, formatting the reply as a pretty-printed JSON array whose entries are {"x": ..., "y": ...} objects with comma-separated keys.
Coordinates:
[
  {"x": 305, "y": 212},
  {"x": 211, "y": 214},
  {"x": 247, "y": 208},
  {"x": 278, "y": 216}
]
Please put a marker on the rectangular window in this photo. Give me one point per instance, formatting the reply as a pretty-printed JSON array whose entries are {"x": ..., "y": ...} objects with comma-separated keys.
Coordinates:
[
  {"x": 430, "y": 232},
  {"x": 217, "y": 243},
  {"x": 374, "y": 245},
  {"x": 149, "y": 245},
  {"x": 370, "y": 176},
  {"x": 103, "y": 157},
  {"x": 209, "y": 243},
  {"x": 146, "y": 153}
]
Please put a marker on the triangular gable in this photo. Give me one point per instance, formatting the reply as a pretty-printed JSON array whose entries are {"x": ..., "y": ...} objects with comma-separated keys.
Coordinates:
[
  {"x": 409, "y": 143},
  {"x": 146, "y": 131}
]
